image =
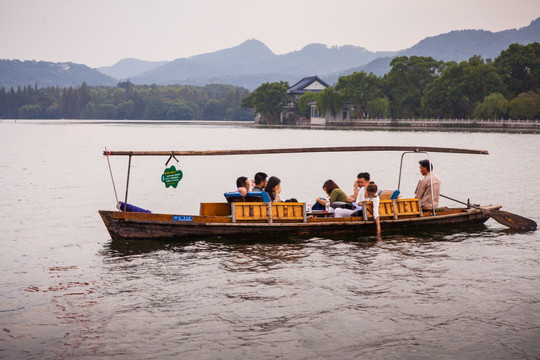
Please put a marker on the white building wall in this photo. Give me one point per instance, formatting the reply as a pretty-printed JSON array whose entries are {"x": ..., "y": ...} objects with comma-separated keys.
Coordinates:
[{"x": 315, "y": 86}]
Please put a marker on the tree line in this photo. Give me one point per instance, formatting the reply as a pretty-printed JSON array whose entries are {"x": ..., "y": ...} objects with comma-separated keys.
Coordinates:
[
  {"x": 422, "y": 87},
  {"x": 126, "y": 101}
]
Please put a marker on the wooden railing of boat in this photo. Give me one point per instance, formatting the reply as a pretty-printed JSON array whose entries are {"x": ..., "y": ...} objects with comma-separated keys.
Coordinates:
[
  {"x": 296, "y": 212},
  {"x": 394, "y": 209}
]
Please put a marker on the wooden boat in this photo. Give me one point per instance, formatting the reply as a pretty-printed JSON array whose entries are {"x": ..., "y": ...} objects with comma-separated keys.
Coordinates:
[{"x": 254, "y": 217}]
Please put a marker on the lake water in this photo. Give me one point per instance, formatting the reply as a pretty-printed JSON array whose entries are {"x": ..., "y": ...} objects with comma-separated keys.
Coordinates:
[{"x": 68, "y": 292}]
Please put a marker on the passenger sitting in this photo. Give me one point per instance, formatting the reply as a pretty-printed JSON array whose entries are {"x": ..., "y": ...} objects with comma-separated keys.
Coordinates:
[
  {"x": 273, "y": 188},
  {"x": 334, "y": 194},
  {"x": 368, "y": 193},
  {"x": 259, "y": 181},
  {"x": 362, "y": 180},
  {"x": 243, "y": 185}
]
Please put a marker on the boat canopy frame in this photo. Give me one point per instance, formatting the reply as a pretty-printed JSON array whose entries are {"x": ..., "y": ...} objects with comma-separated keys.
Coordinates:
[{"x": 405, "y": 149}]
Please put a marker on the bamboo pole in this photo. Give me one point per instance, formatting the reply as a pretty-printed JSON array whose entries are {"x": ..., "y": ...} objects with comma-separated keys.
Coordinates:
[{"x": 296, "y": 150}]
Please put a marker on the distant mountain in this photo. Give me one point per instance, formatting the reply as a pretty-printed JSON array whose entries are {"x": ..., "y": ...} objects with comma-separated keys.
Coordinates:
[
  {"x": 126, "y": 68},
  {"x": 462, "y": 45},
  {"x": 15, "y": 73},
  {"x": 379, "y": 67},
  {"x": 457, "y": 46},
  {"x": 252, "y": 62},
  {"x": 233, "y": 61},
  {"x": 248, "y": 81},
  {"x": 255, "y": 59}
]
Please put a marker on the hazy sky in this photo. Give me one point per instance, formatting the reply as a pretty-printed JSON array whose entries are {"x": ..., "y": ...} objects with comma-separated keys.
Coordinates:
[{"x": 102, "y": 32}]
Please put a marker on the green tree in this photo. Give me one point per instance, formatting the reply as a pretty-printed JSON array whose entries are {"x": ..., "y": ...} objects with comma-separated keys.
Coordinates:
[
  {"x": 478, "y": 81},
  {"x": 304, "y": 109},
  {"x": 106, "y": 111},
  {"x": 268, "y": 100},
  {"x": 525, "y": 106},
  {"x": 29, "y": 112},
  {"x": 406, "y": 83},
  {"x": 519, "y": 65},
  {"x": 89, "y": 111},
  {"x": 494, "y": 106},
  {"x": 83, "y": 97},
  {"x": 156, "y": 109},
  {"x": 53, "y": 112},
  {"x": 214, "y": 110},
  {"x": 239, "y": 114},
  {"x": 379, "y": 108},
  {"x": 359, "y": 88},
  {"x": 126, "y": 109},
  {"x": 330, "y": 100},
  {"x": 179, "y": 111},
  {"x": 69, "y": 104},
  {"x": 444, "y": 97}
]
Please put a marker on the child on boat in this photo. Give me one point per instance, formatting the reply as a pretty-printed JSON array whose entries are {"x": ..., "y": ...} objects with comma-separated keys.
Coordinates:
[{"x": 368, "y": 193}]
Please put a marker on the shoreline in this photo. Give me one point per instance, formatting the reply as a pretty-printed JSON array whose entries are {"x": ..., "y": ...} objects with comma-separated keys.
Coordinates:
[{"x": 506, "y": 127}]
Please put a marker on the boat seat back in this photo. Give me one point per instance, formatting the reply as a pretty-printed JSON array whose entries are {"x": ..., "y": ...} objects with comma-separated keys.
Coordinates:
[
  {"x": 389, "y": 194},
  {"x": 268, "y": 212},
  {"x": 251, "y": 196},
  {"x": 249, "y": 211},
  {"x": 215, "y": 209},
  {"x": 288, "y": 211},
  {"x": 397, "y": 208}
]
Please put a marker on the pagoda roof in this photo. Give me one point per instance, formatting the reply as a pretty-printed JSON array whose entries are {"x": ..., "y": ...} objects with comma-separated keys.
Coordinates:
[{"x": 301, "y": 87}]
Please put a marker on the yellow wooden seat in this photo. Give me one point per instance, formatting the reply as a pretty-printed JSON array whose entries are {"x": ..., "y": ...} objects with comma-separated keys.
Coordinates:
[
  {"x": 215, "y": 209},
  {"x": 288, "y": 211},
  {"x": 408, "y": 207},
  {"x": 268, "y": 212},
  {"x": 398, "y": 208},
  {"x": 386, "y": 208},
  {"x": 252, "y": 211}
]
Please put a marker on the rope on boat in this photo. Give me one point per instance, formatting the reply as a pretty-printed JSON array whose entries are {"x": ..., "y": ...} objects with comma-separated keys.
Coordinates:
[{"x": 107, "y": 153}]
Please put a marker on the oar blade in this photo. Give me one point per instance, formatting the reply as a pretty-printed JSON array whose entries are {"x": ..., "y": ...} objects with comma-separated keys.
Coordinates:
[{"x": 513, "y": 221}]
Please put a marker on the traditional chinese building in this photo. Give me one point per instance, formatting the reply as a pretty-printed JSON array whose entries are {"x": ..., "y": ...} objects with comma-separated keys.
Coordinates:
[{"x": 312, "y": 83}]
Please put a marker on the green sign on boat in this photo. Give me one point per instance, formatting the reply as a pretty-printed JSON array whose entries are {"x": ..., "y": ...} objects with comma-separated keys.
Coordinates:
[{"x": 171, "y": 177}]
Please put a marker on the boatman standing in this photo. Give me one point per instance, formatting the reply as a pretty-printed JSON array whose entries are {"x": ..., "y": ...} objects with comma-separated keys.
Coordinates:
[{"x": 423, "y": 190}]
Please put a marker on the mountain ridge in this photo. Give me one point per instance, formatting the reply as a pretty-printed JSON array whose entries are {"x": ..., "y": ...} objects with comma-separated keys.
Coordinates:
[
  {"x": 17, "y": 73},
  {"x": 252, "y": 62}
]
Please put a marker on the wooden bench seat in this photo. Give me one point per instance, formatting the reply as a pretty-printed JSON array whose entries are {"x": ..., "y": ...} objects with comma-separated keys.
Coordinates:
[
  {"x": 268, "y": 212},
  {"x": 398, "y": 208},
  {"x": 215, "y": 209}
]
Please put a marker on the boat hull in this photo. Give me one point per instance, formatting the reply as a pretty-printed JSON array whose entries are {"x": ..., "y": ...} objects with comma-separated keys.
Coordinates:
[{"x": 132, "y": 226}]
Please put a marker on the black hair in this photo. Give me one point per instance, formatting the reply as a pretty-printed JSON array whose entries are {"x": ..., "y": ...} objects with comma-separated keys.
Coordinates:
[
  {"x": 272, "y": 183},
  {"x": 259, "y": 178},
  {"x": 363, "y": 175},
  {"x": 241, "y": 181},
  {"x": 425, "y": 163}
]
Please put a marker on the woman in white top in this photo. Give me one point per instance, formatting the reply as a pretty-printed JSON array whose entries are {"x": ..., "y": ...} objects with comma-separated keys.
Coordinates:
[{"x": 368, "y": 193}]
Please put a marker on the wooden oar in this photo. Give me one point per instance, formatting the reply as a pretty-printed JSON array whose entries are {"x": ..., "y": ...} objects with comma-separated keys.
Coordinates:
[{"x": 506, "y": 218}]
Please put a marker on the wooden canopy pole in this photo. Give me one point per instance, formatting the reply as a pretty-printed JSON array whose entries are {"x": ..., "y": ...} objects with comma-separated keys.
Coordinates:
[{"x": 296, "y": 150}]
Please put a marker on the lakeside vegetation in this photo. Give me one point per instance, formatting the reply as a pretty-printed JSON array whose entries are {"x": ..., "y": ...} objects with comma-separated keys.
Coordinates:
[
  {"x": 422, "y": 87},
  {"x": 126, "y": 101},
  {"x": 415, "y": 87}
]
